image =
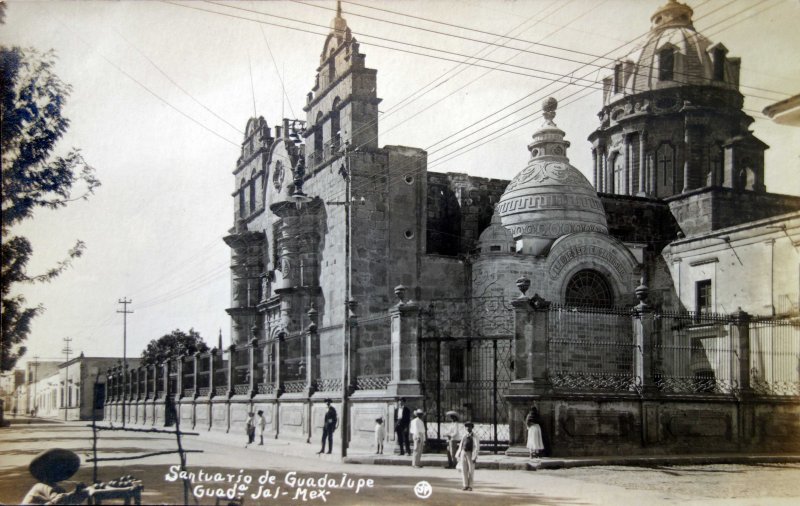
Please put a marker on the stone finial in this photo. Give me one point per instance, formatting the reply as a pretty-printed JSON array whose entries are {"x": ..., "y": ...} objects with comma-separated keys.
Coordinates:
[
  {"x": 642, "y": 292},
  {"x": 400, "y": 293},
  {"x": 549, "y": 106},
  {"x": 523, "y": 284},
  {"x": 312, "y": 316}
]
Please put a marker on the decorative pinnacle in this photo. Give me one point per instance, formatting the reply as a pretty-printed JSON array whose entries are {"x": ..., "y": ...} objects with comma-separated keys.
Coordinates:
[{"x": 549, "y": 107}]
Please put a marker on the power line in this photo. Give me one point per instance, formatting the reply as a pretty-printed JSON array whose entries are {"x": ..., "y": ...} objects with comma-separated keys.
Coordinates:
[
  {"x": 148, "y": 90},
  {"x": 163, "y": 73}
]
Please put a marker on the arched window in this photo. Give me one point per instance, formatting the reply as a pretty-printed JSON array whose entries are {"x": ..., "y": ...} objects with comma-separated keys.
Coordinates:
[
  {"x": 617, "y": 78},
  {"x": 318, "y": 135},
  {"x": 666, "y": 64},
  {"x": 335, "y": 137},
  {"x": 589, "y": 288},
  {"x": 715, "y": 156}
]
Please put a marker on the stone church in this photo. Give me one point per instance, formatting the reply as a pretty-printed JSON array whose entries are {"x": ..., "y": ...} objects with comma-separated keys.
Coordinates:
[{"x": 618, "y": 305}]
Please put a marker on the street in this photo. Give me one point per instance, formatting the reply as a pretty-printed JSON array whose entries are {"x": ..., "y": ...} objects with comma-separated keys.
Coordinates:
[{"x": 219, "y": 467}]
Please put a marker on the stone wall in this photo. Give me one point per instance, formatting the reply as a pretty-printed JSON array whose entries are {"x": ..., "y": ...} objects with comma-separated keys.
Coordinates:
[
  {"x": 712, "y": 208},
  {"x": 460, "y": 207}
]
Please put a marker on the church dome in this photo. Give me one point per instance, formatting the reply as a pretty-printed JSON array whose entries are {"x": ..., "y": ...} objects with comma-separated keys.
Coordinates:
[
  {"x": 496, "y": 238},
  {"x": 549, "y": 198},
  {"x": 675, "y": 54}
]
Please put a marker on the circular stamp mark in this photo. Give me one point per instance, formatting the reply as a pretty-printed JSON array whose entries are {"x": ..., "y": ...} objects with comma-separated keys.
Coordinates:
[{"x": 423, "y": 489}]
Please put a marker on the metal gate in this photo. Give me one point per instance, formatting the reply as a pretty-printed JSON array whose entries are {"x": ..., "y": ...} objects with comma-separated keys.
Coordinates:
[{"x": 467, "y": 365}]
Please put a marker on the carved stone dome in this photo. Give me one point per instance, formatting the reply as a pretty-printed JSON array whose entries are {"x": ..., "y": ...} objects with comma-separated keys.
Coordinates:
[{"x": 549, "y": 198}]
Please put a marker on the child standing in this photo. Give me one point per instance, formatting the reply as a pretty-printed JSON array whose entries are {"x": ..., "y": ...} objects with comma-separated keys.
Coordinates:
[
  {"x": 380, "y": 435},
  {"x": 262, "y": 424}
]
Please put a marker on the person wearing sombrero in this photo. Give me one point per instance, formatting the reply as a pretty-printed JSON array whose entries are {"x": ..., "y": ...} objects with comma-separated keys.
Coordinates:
[
  {"x": 452, "y": 436},
  {"x": 50, "y": 467},
  {"x": 419, "y": 435},
  {"x": 467, "y": 454}
]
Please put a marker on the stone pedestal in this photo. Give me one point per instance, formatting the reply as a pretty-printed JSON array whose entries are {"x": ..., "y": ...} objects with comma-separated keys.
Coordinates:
[{"x": 405, "y": 351}]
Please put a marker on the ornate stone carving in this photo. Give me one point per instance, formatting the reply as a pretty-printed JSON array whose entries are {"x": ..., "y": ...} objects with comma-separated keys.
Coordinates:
[{"x": 277, "y": 175}]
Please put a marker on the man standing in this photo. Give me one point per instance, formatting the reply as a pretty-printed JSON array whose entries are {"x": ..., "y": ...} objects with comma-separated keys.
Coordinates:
[
  {"x": 419, "y": 435},
  {"x": 467, "y": 454},
  {"x": 329, "y": 425},
  {"x": 403, "y": 417}
]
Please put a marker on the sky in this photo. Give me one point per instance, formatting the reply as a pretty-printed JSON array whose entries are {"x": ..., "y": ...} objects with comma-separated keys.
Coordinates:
[{"x": 162, "y": 92}]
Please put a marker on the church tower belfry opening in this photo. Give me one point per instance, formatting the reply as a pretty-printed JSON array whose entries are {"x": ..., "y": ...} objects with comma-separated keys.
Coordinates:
[{"x": 342, "y": 107}]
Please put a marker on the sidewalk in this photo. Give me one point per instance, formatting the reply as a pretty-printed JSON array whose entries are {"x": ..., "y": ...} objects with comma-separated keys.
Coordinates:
[{"x": 500, "y": 461}]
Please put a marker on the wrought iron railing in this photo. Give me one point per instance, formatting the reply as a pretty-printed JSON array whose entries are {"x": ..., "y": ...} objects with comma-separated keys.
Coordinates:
[
  {"x": 265, "y": 388},
  {"x": 203, "y": 391},
  {"x": 775, "y": 356},
  {"x": 221, "y": 390},
  {"x": 329, "y": 385},
  {"x": 373, "y": 382},
  {"x": 188, "y": 392},
  {"x": 241, "y": 389},
  {"x": 295, "y": 386}
]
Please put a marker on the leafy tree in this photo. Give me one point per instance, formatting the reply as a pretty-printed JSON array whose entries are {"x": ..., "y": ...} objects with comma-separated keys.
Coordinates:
[
  {"x": 32, "y": 97},
  {"x": 171, "y": 345}
]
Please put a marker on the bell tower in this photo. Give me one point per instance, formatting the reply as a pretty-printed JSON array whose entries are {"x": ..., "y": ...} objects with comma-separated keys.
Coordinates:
[{"x": 343, "y": 105}]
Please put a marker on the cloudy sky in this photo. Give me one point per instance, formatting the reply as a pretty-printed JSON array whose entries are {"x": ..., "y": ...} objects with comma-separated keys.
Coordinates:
[{"x": 162, "y": 92}]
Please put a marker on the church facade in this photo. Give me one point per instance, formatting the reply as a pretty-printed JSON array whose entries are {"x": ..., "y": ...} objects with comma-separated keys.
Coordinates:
[{"x": 623, "y": 307}]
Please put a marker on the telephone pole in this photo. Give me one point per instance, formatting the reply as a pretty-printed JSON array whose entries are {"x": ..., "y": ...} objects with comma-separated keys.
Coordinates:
[
  {"x": 66, "y": 351},
  {"x": 124, "y": 301},
  {"x": 35, "y": 371}
]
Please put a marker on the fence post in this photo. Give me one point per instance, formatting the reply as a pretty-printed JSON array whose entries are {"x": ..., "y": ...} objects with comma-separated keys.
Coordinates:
[
  {"x": 312, "y": 351},
  {"x": 531, "y": 380},
  {"x": 643, "y": 330},
  {"x": 252, "y": 362},
  {"x": 740, "y": 343},
  {"x": 405, "y": 381},
  {"x": 231, "y": 368}
]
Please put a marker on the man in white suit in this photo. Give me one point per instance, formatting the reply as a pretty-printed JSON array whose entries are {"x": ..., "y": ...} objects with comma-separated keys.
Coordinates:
[
  {"x": 467, "y": 454},
  {"x": 418, "y": 435}
]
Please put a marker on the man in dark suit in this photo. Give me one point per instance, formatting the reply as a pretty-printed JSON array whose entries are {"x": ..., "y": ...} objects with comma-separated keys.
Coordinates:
[
  {"x": 329, "y": 425},
  {"x": 402, "y": 424}
]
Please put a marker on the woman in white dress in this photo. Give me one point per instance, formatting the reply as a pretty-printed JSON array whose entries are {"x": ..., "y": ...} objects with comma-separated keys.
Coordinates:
[{"x": 535, "y": 442}]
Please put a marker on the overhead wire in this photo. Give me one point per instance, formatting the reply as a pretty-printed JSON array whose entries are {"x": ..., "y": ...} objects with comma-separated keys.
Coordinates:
[{"x": 142, "y": 85}]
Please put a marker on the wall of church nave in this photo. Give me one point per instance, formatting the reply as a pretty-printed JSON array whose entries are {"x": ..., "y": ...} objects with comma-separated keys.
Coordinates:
[{"x": 442, "y": 277}]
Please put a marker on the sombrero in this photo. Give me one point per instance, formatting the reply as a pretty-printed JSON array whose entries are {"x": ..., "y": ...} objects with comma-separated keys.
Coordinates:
[
  {"x": 54, "y": 465},
  {"x": 451, "y": 413},
  {"x": 419, "y": 412},
  {"x": 469, "y": 424}
]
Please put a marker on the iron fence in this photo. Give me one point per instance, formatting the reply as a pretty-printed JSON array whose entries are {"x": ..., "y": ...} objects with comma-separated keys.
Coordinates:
[
  {"x": 591, "y": 349},
  {"x": 775, "y": 356}
]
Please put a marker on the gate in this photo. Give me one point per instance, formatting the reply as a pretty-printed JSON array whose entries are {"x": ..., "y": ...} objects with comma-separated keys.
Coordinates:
[{"x": 466, "y": 350}]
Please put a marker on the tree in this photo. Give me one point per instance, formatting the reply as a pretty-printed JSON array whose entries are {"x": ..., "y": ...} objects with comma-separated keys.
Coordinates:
[
  {"x": 172, "y": 345},
  {"x": 32, "y": 97}
]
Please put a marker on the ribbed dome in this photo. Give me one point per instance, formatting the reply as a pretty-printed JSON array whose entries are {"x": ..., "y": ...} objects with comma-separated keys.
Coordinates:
[
  {"x": 675, "y": 54},
  {"x": 550, "y": 197}
]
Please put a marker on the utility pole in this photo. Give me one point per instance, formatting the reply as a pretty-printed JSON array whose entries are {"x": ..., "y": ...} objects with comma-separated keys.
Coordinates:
[
  {"x": 66, "y": 351},
  {"x": 35, "y": 370},
  {"x": 124, "y": 301}
]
